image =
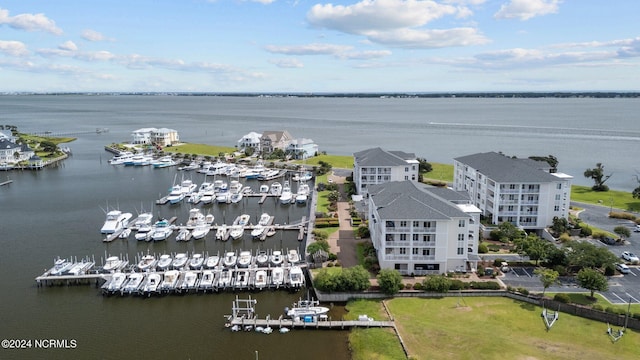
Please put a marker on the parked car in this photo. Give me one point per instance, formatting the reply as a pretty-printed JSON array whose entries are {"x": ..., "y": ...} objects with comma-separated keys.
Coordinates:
[
  {"x": 622, "y": 268},
  {"x": 637, "y": 228},
  {"x": 630, "y": 257}
]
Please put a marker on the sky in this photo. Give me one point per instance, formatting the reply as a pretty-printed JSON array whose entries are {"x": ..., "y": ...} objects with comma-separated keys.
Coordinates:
[{"x": 316, "y": 46}]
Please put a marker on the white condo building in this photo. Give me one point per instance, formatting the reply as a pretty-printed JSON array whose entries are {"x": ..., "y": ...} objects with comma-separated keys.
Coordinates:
[
  {"x": 378, "y": 166},
  {"x": 420, "y": 229},
  {"x": 521, "y": 191}
]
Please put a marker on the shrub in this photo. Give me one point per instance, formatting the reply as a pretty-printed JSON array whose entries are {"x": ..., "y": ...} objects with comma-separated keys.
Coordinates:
[
  {"x": 480, "y": 270},
  {"x": 523, "y": 291},
  {"x": 482, "y": 248},
  {"x": 564, "y": 238},
  {"x": 585, "y": 231},
  {"x": 333, "y": 257},
  {"x": 456, "y": 284},
  {"x": 417, "y": 286},
  {"x": 622, "y": 215},
  {"x": 598, "y": 307},
  {"x": 437, "y": 283},
  {"x": 561, "y": 269},
  {"x": 498, "y": 262},
  {"x": 563, "y": 298},
  {"x": 363, "y": 232},
  {"x": 485, "y": 285},
  {"x": 330, "y": 264},
  {"x": 609, "y": 270}
]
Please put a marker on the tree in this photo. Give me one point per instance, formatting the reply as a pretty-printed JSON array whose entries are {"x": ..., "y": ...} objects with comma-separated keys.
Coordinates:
[
  {"x": 592, "y": 280},
  {"x": 598, "y": 177},
  {"x": 357, "y": 278},
  {"x": 423, "y": 165},
  {"x": 622, "y": 231},
  {"x": 390, "y": 281},
  {"x": 548, "y": 277},
  {"x": 559, "y": 225},
  {"x": 437, "y": 283},
  {"x": 48, "y": 146},
  {"x": 586, "y": 255},
  {"x": 534, "y": 246},
  {"x": 550, "y": 159},
  {"x": 636, "y": 191},
  {"x": 507, "y": 232}
]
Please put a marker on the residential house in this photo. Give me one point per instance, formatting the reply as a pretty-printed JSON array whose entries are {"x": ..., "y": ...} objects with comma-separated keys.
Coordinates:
[
  {"x": 12, "y": 153},
  {"x": 301, "y": 149},
  {"x": 378, "y": 166},
  {"x": 165, "y": 137},
  {"x": 272, "y": 140},
  {"x": 523, "y": 192},
  {"x": 142, "y": 136},
  {"x": 250, "y": 141},
  {"x": 420, "y": 229}
]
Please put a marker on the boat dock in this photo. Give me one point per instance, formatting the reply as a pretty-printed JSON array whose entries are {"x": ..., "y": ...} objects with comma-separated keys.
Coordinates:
[
  {"x": 244, "y": 318},
  {"x": 6, "y": 182}
]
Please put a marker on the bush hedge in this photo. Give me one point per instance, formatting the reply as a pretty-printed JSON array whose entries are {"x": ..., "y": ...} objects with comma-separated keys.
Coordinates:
[{"x": 563, "y": 298}]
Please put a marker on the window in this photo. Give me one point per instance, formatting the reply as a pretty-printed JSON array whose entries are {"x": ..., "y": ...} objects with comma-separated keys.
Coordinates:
[
  {"x": 426, "y": 238},
  {"x": 556, "y": 208},
  {"x": 460, "y": 237},
  {"x": 403, "y": 237},
  {"x": 416, "y": 251},
  {"x": 461, "y": 223},
  {"x": 403, "y": 224},
  {"x": 557, "y": 197},
  {"x": 559, "y": 186},
  {"x": 416, "y": 223},
  {"x": 460, "y": 251},
  {"x": 416, "y": 237},
  {"x": 406, "y": 178},
  {"x": 403, "y": 251}
]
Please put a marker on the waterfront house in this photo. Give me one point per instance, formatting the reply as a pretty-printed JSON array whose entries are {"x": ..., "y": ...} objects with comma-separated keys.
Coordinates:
[
  {"x": 523, "y": 192},
  {"x": 142, "y": 136},
  {"x": 378, "y": 166},
  {"x": 165, "y": 137},
  {"x": 250, "y": 140},
  {"x": 301, "y": 149},
  {"x": 12, "y": 153},
  {"x": 420, "y": 229},
  {"x": 272, "y": 140}
]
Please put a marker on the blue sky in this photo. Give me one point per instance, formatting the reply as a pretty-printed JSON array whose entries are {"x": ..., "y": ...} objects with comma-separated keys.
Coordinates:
[{"x": 318, "y": 46}]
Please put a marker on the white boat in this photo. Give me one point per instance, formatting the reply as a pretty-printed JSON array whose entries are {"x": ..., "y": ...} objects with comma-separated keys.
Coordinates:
[
  {"x": 125, "y": 233},
  {"x": 276, "y": 258},
  {"x": 275, "y": 188},
  {"x": 192, "y": 166},
  {"x": 296, "y": 277},
  {"x": 261, "y": 279},
  {"x": 302, "y": 194},
  {"x": 187, "y": 187},
  {"x": 265, "y": 219},
  {"x": 201, "y": 230},
  {"x": 145, "y": 218},
  {"x": 293, "y": 257},
  {"x": 236, "y": 197},
  {"x": 230, "y": 259},
  {"x": 212, "y": 261},
  {"x": 151, "y": 284},
  {"x": 257, "y": 231},
  {"x": 170, "y": 280},
  {"x": 195, "y": 216},
  {"x": 184, "y": 234},
  {"x": 134, "y": 282},
  {"x": 225, "y": 278},
  {"x": 304, "y": 308},
  {"x": 220, "y": 232},
  {"x": 163, "y": 162},
  {"x": 277, "y": 276},
  {"x": 116, "y": 282},
  {"x": 241, "y": 279},
  {"x": 262, "y": 258},
  {"x": 194, "y": 198},
  {"x": 80, "y": 267},
  {"x": 121, "y": 158},
  {"x": 242, "y": 220},
  {"x": 113, "y": 263},
  {"x": 271, "y": 230},
  {"x": 209, "y": 219},
  {"x": 264, "y": 188},
  {"x": 286, "y": 195},
  {"x": 206, "y": 282},
  {"x": 60, "y": 266},
  {"x": 144, "y": 233},
  {"x": 196, "y": 261},
  {"x": 244, "y": 259},
  {"x": 235, "y": 187},
  {"x": 161, "y": 230},
  {"x": 116, "y": 221},
  {"x": 164, "y": 262},
  {"x": 175, "y": 195},
  {"x": 190, "y": 281},
  {"x": 222, "y": 197},
  {"x": 140, "y": 160},
  {"x": 206, "y": 192},
  {"x": 146, "y": 262},
  {"x": 236, "y": 232},
  {"x": 179, "y": 261}
]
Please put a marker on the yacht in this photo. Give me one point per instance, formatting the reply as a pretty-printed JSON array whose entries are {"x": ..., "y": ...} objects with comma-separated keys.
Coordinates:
[
  {"x": 302, "y": 194},
  {"x": 286, "y": 195},
  {"x": 184, "y": 234},
  {"x": 116, "y": 221},
  {"x": 304, "y": 308},
  {"x": 164, "y": 262},
  {"x": 116, "y": 282},
  {"x": 262, "y": 258},
  {"x": 230, "y": 259},
  {"x": 257, "y": 231},
  {"x": 190, "y": 281},
  {"x": 296, "y": 277},
  {"x": 124, "y": 233},
  {"x": 275, "y": 188},
  {"x": 163, "y": 162},
  {"x": 60, "y": 266},
  {"x": 265, "y": 219},
  {"x": 161, "y": 230},
  {"x": 244, "y": 259},
  {"x": 243, "y": 220},
  {"x": 196, "y": 261},
  {"x": 236, "y": 232},
  {"x": 140, "y": 160},
  {"x": 175, "y": 195},
  {"x": 121, "y": 158},
  {"x": 187, "y": 187},
  {"x": 225, "y": 278},
  {"x": 179, "y": 261},
  {"x": 143, "y": 219},
  {"x": 264, "y": 188},
  {"x": 220, "y": 232},
  {"x": 222, "y": 197},
  {"x": 144, "y": 233},
  {"x": 236, "y": 197},
  {"x": 277, "y": 276},
  {"x": 293, "y": 257},
  {"x": 261, "y": 279},
  {"x": 195, "y": 216},
  {"x": 146, "y": 262}
]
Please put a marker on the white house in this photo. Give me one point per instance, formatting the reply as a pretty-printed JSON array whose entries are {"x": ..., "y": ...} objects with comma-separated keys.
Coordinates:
[
  {"x": 165, "y": 137},
  {"x": 250, "y": 140},
  {"x": 521, "y": 191},
  {"x": 378, "y": 166},
  {"x": 12, "y": 153},
  {"x": 142, "y": 136},
  {"x": 301, "y": 149},
  {"x": 420, "y": 229}
]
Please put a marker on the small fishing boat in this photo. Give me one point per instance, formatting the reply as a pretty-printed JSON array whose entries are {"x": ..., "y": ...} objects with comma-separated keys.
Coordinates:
[
  {"x": 164, "y": 262},
  {"x": 196, "y": 261},
  {"x": 179, "y": 261}
]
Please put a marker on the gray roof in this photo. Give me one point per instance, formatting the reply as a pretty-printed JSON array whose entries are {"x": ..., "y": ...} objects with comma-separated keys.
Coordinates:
[
  {"x": 6, "y": 144},
  {"x": 379, "y": 157},
  {"x": 504, "y": 169},
  {"x": 410, "y": 200}
]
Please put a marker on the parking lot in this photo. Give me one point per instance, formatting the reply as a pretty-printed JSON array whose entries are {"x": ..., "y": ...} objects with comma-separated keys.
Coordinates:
[{"x": 622, "y": 288}]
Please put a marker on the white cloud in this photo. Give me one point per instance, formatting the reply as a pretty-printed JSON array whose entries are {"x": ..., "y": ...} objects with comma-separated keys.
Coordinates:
[
  {"x": 290, "y": 63},
  {"x": 92, "y": 35},
  {"x": 29, "y": 22},
  {"x": 364, "y": 55},
  {"x": 310, "y": 49},
  {"x": 527, "y": 9},
  {"x": 13, "y": 48},
  {"x": 398, "y": 23},
  {"x": 68, "y": 46}
]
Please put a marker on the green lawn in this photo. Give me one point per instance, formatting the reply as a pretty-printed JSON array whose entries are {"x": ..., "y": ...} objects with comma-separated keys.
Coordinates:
[
  {"x": 500, "y": 328},
  {"x": 372, "y": 343},
  {"x": 336, "y": 161},
  {"x": 612, "y": 198},
  {"x": 199, "y": 149},
  {"x": 440, "y": 172},
  {"x": 585, "y": 299}
]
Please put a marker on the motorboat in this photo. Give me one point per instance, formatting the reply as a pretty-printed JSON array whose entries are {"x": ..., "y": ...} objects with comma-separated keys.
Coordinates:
[
  {"x": 296, "y": 277},
  {"x": 264, "y": 188},
  {"x": 134, "y": 282},
  {"x": 230, "y": 259},
  {"x": 192, "y": 166},
  {"x": 262, "y": 258},
  {"x": 220, "y": 186},
  {"x": 140, "y": 160},
  {"x": 225, "y": 278},
  {"x": 184, "y": 234},
  {"x": 302, "y": 194},
  {"x": 235, "y": 187},
  {"x": 175, "y": 195},
  {"x": 244, "y": 259},
  {"x": 80, "y": 267},
  {"x": 212, "y": 261},
  {"x": 113, "y": 263},
  {"x": 236, "y": 232},
  {"x": 125, "y": 233},
  {"x": 163, "y": 162},
  {"x": 261, "y": 279},
  {"x": 275, "y": 188},
  {"x": 243, "y": 220},
  {"x": 151, "y": 284},
  {"x": 286, "y": 195},
  {"x": 194, "y": 198},
  {"x": 241, "y": 279},
  {"x": 206, "y": 192},
  {"x": 293, "y": 257},
  {"x": 190, "y": 281},
  {"x": 221, "y": 231},
  {"x": 116, "y": 221},
  {"x": 169, "y": 281},
  {"x": 60, "y": 266},
  {"x": 265, "y": 219},
  {"x": 196, "y": 261},
  {"x": 276, "y": 258},
  {"x": 179, "y": 261},
  {"x": 206, "y": 282},
  {"x": 209, "y": 219},
  {"x": 303, "y": 308},
  {"x": 247, "y": 190},
  {"x": 277, "y": 276},
  {"x": 187, "y": 187},
  {"x": 201, "y": 230},
  {"x": 164, "y": 262},
  {"x": 195, "y": 216},
  {"x": 145, "y": 218},
  {"x": 161, "y": 230},
  {"x": 222, "y": 197},
  {"x": 121, "y": 158},
  {"x": 144, "y": 233},
  {"x": 236, "y": 197},
  {"x": 271, "y": 230},
  {"x": 146, "y": 262},
  {"x": 116, "y": 282},
  {"x": 257, "y": 231}
]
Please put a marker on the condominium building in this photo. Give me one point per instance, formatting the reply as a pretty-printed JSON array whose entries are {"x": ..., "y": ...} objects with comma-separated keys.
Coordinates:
[
  {"x": 378, "y": 166},
  {"x": 523, "y": 192}
]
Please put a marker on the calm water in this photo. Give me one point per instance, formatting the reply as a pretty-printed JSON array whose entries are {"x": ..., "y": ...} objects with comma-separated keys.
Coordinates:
[{"x": 58, "y": 211}]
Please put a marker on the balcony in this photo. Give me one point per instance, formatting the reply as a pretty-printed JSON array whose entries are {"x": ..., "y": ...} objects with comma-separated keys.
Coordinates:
[{"x": 387, "y": 257}]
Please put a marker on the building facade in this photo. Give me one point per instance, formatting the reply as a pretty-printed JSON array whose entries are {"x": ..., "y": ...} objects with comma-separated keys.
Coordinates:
[
  {"x": 272, "y": 140},
  {"x": 152, "y": 136},
  {"x": 377, "y": 166},
  {"x": 419, "y": 229},
  {"x": 250, "y": 141},
  {"x": 523, "y": 192},
  {"x": 12, "y": 153},
  {"x": 301, "y": 149}
]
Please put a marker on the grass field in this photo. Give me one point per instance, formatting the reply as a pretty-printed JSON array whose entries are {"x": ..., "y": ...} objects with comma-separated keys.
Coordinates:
[
  {"x": 336, "y": 161},
  {"x": 372, "y": 343},
  {"x": 612, "y": 198},
  {"x": 440, "y": 172},
  {"x": 585, "y": 299},
  {"x": 501, "y": 328}
]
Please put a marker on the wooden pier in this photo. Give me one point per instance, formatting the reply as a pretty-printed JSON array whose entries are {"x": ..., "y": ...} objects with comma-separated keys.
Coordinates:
[{"x": 6, "y": 182}]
